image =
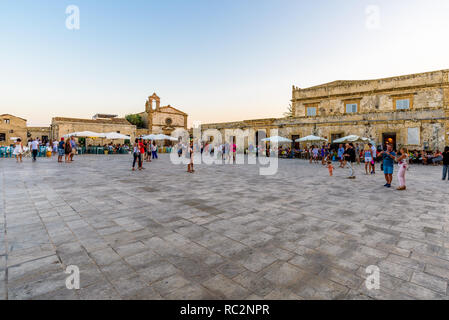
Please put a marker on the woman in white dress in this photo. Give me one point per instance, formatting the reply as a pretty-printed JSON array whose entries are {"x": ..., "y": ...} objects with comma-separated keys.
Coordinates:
[{"x": 18, "y": 150}]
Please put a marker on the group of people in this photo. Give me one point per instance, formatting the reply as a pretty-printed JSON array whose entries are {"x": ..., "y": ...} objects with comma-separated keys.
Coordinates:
[
  {"x": 61, "y": 148},
  {"x": 347, "y": 156},
  {"x": 143, "y": 151}
]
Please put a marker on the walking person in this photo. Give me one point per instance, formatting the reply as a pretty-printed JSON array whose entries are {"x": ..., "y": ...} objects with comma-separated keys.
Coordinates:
[
  {"x": 446, "y": 163},
  {"x": 61, "y": 150},
  {"x": 403, "y": 161},
  {"x": 18, "y": 151},
  {"x": 350, "y": 159},
  {"x": 190, "y": 152},
  {"x": 374, "y": 155},
  {"x": 368, "y": 155},
  {"x": 388, "y": 157},
  {"x": 137, "y": 156},
  {"x": 34, "y": 148}
]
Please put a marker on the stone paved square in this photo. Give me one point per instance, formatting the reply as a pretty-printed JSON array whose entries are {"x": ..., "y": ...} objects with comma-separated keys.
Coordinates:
[{"x": 224, "y": 232}]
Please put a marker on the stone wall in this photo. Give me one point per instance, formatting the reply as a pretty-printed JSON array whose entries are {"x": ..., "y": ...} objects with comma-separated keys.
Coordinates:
[
  {"x": 427, "y": 117},
  {"x": 15, "y": 128},
  {"x": 63, "y": 126}
]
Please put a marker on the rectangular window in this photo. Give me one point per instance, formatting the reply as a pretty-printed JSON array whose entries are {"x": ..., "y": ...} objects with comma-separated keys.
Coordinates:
[
  {"x": 7, "y": 121},
  {"x": 402, "y": 104},
  {"x": 2, "y": 136},
  {"x": 351, "y": 107},
  {"x": 311, "y": 111}
]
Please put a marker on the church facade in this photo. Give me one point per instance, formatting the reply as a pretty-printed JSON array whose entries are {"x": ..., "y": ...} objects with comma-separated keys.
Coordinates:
[{"x": 161, "y": 119}]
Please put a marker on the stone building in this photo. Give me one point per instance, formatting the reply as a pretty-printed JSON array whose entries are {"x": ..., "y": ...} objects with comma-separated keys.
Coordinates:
[
  {"x": 12, "y": 127},
  {"x": 61, "y": 126},
  {"x": 159, "y": 119},
  {"x": 410, "y": 110}
]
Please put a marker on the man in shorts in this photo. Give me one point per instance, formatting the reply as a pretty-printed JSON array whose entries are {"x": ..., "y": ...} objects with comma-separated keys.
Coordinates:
[{"x": 388, "y": 157}]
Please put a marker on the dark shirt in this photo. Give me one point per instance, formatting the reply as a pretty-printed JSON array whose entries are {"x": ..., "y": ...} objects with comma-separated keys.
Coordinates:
[
  {"x": 446, "y": 158},
  {"x": 350, "y": 155}
]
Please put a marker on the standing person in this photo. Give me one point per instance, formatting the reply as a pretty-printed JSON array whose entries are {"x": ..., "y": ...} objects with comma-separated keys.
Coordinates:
[
  {"x": 154, "y": 150},
  {"x": 61, "y": 149},
  {"x": 374, "y": 155},
  {"x": 68, "y": 151},
  {"x": 403, "y": 160},
  {"x": 34, "y": 148},
  {"x": 73, "y": 145},
  {"x": 55, "y": 146},
  {"x": 137, "y": 156},
  {"x": 388, "y": 157},
  {"x": 141, "y": 152},
  {"x": 18, "y": 151},
  {"x": 446, "y": 163},
  {"x": 350, "y": 159},
  {"x": 330, "y": 167},
  {"x": 234, "y": 150},
  {"x": 340, "y": 153},
  {"x": 368, "y": 155},
  {"x": 315, "y": 152},
  {"x": 149, "y": 150},
  {"x": 190, "y": 152}
]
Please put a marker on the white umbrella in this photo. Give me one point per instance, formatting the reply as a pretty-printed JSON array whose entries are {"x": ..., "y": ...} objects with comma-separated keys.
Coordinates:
[
  {"x": 14, "y": 138},
  {"x": 116, "y": 136},
  {"x": 148, "y": 137},
  {"x": 311, "y": 138},
  {"x": 276, "y": 139},
  {"x": 85, "y": 134},
  {"x": 163, "y": 137},
  {"x": 351, "y": 138}
]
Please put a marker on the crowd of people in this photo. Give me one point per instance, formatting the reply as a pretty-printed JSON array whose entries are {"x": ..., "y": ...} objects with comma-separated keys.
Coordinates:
[
  {"x": 346, "y": 155},
  {"x": 349, "y": 154}
]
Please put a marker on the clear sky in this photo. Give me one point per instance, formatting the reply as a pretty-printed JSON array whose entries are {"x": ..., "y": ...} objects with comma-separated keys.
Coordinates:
[{"x": 216, "y": 60}]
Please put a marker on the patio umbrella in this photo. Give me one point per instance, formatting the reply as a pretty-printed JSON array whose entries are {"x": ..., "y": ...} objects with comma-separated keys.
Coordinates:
[
  {"x": 352, "y": 138},
  {"x": 163, "y": 137},
  {"x": 85, "y": 134},
  {"x": 116, "y": 136},
  {"x": 311, "y": 138},
  {"x": 148, "y": 137},
  {"x": 14, "y": 138},
  {"x": 276, "y": 139}
]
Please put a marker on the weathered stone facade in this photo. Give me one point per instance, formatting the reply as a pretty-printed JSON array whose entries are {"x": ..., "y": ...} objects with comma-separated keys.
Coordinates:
[
  {"x": 62, "y": 126},
  {"x": 159, "y": 119},
  {"x": 412, "y": 110},
  {"x": 12, "y": 127}
]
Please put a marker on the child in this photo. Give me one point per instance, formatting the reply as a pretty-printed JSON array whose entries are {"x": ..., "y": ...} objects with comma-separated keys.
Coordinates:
[{"x": 330, "y": 167}]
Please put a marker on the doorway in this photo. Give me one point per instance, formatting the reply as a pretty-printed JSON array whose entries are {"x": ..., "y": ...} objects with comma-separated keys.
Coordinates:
[
  {"x": 389, "y": 137},
  {"x": 295, "y": 145}
]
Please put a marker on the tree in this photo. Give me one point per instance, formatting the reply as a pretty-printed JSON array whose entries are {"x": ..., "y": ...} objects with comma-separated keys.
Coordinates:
[
  {"x": 289, "y": 112},
  {"x": 136, "y": 120}
]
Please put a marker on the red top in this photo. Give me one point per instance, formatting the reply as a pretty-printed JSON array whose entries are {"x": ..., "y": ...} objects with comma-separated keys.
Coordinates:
[{"x": 141, "y": 147}]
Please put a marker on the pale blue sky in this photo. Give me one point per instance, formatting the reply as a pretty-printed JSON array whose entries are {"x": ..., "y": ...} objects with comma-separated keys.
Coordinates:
[{"x": 216, "y": 60}]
